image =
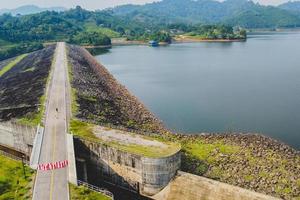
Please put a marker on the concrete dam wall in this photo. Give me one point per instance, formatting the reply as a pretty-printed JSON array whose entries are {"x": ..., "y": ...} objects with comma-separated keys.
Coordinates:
[
  {"x": 17, "y": 137},
  {"x": 144, "y": 175}
]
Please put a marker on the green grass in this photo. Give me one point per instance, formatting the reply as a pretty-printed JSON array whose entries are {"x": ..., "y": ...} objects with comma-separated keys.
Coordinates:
[
  {"x": 203, "y": 151},
  {"x": 82, "y": 193},
  {"x": 33, "y": 119},
  {"x": 11, "y": 64},
  {"x": 31, "y": 69},
  {"x": 85, "y": 131},
  {"x": 82, "y": 129},
  {"x": 13, "y": 185},
  {"x": 249, "y": 177},
  {"x": 106, "y": 31}
]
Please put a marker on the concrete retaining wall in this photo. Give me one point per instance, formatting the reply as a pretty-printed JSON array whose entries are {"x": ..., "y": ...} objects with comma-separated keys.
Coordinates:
[
  {"x": 133, "y": 172},
  {"x": 17, "y": 137},
  {"x": 157, "y": 172},
  {"x": 190, "y": 187},
  {"x": 71, "y": 158}
]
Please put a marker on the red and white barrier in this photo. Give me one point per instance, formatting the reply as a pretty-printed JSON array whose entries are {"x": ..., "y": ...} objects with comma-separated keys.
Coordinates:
[{"x": 52, "y": 166}]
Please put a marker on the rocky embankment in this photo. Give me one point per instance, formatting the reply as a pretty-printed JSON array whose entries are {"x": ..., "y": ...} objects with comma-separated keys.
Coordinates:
[
  {"x": 24, "y": 84},
  {"x": 101, "y": 99},
  {"x": 250, "y": 161}
]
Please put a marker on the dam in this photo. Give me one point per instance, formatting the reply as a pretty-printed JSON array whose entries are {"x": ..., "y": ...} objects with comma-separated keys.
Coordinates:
[
  {"x": 108, "y": 141},
  {"x": 137, "y": 163}
]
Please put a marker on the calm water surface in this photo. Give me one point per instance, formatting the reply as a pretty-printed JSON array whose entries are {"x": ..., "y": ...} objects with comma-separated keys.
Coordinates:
[{"x": 251, "y": 86}]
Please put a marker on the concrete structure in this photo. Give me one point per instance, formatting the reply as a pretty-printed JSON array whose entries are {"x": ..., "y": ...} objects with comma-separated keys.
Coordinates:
[
  {"x": 137, "y": 172},
  {"x": 37, "y": 146},
  {"x": 71, "y": 159},
  {"x": 54, "y": 184},
  {"x": 17, "y": 137},
  {"x": 189, "y": 187}
]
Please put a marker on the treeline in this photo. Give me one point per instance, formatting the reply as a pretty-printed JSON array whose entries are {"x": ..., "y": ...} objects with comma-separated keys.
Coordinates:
[
  {"x": 217, "y": 32},
  {"x": 54, "y": 26},
  {"x": 90, "y": 38},
  {"x": 84, "y": 27},
  {"x": 19, "y": 49}
]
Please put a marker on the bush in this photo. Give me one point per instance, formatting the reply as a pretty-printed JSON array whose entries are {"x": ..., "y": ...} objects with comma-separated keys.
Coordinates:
[
  {"x": 90, "y": 38},
  {"x": 161, "y": 37}
]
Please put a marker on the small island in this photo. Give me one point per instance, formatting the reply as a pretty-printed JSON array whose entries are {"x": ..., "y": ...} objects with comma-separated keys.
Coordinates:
[
  {"x": 213, "y": 33},
  {"x": 184, "y": 33}
]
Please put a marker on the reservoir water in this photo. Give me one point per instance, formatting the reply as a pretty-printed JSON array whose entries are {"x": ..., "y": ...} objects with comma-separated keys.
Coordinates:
[{"x": 251, "y": 86}]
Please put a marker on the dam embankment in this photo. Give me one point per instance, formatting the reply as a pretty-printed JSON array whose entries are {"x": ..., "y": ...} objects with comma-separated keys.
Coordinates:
[
  {"x": 249, "y": 161},
  {"x": 100, "y": 98}
]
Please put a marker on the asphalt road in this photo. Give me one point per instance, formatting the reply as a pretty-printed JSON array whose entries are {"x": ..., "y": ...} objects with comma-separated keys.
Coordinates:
[{"x": 53, "y": 185}]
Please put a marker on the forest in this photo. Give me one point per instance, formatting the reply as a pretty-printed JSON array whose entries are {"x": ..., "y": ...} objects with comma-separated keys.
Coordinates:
[{"x": 21, "y": 34}]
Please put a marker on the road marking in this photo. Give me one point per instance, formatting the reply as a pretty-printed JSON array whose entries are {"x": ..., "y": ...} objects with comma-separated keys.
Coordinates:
[
  {"x": 54, "y": 146},
  {"x": 53, "y": 156}
]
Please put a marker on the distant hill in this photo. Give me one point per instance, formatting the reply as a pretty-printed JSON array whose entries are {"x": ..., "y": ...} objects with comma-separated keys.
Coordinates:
[
  {"x": 234, "y": 12},
  {"x": 30, "y": 9},
  {"x": 291, "y": 6}
]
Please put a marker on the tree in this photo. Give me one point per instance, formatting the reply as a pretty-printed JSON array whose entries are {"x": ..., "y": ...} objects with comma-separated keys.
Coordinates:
[{"x": 90, "y": 38}]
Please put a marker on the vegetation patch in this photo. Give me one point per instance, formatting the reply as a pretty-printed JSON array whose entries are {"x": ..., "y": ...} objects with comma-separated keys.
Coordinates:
[
  {"x": 9, "y": 50},
  {"x": 90, "y": 38},
  {"x": 82, "y": 193},
  {"x": 106, "y": 31},
  {"x": 22, "y": 88},
  {"x": 82, "y": 129},
  {"x": 11, "y": 64},
  {"x": 216, "y": 32},
  {"x": 250, "y": 161},
  {"x": 34, "y": 118},
  {"x": 13, "y": 184},
  {"x": 85, "y": 131}
]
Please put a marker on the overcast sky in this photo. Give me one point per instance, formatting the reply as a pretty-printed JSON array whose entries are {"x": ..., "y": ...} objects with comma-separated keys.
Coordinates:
[{"x": 93, "y": 4}]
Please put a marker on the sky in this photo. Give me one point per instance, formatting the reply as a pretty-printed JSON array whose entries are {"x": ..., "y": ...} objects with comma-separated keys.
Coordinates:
[{"x": 94, "y": 4}]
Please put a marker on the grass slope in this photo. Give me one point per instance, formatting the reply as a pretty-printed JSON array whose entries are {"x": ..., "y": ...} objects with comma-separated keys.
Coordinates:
[
  {"x": 11, "y": 64},
  {"x": 13, "y": 185},
  {"x": 82, "y": 193},
  {"x": 37, "y": 117},
  {"x": 85, "y": 131},
  {"x": 250, "y": 161},
  {"x": 106, "y": 31}
]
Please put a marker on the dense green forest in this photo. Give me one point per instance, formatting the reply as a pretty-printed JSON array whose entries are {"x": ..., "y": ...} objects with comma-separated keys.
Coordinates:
[
  {"x": 293, "y": 6},
  {"x": 217, "y": 32},
  {"x": 160, "y": 21},
  {"x": 241, "y": 13},
  {"x": 21, "y": 34},
  {"x": 90, "y": 38}
]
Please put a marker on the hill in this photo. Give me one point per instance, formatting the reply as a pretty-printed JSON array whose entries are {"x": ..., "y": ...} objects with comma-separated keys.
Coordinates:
[
  {"x": 291, "y": 6},
  {"x": 234, "y": 12},
  {"x": 30, "y": 9},
  {"x": 26, "y": 33}
]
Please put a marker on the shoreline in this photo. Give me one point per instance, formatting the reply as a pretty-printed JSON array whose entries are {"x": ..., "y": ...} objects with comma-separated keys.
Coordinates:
[
  {"x": 184, "y": 39},
  {"x": 97, "y": 46},
  {"x": 174, "y": 41},
  {"x": 119, "y": 42}
]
